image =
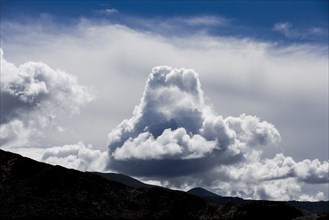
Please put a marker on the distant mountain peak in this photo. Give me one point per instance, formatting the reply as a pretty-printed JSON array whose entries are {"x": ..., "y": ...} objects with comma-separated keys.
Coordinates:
[
  {"x": 124, "y": 179},
  {"x": 199, "y": 191}
]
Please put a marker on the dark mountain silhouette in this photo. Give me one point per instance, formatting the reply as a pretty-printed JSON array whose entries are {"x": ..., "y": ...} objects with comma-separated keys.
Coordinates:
[
  {"x": 308, "y": 208},
  {"x": 311, "y": 210},
  {"x": 202, "y": 192},
  {"x": 214, "y": 198},
  {"x": 30, "y": 189},
  {"x": 251, "y": 210}
]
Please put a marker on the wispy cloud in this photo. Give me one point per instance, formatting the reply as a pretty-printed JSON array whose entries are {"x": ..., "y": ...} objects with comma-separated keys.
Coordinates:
[
  {"x": 107, "y": 11},
  {"x": 284, "y": 28},
  {"x": 203, "y": 21},
  {"x": 318, "y": 31},
  {"x": 178, "y": 25},
  {"x": 289, "y": 31}
]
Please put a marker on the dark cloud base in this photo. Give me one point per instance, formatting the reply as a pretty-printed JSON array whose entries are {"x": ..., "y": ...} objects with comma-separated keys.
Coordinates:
[{"x": 168, "y": 167}]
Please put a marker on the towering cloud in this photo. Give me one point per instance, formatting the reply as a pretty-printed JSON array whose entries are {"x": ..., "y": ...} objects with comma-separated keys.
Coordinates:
[
  {"x": 176, "y": 138},
  {"x": 174, "y": 132},
  {"x": 31, "y": 96}
]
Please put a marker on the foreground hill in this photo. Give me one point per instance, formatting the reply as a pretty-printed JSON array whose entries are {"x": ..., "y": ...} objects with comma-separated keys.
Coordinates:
[
  {"x": 30, "y": 189},
  {"x": 33, "y": 189}
]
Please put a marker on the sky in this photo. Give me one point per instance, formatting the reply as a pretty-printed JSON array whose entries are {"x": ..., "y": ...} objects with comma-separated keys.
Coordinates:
[{"x": 231, "y": 96}]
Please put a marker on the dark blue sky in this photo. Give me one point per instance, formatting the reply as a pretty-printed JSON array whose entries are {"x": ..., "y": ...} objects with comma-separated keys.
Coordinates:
[{"x": 250, "y": 12}]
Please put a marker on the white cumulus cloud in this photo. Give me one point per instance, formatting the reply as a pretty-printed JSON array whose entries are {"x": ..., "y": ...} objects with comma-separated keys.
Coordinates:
[
  {"x": 31, "y": 96},
  {"x": 76, "y": 156},
  {"x": 173, "y": 122}
]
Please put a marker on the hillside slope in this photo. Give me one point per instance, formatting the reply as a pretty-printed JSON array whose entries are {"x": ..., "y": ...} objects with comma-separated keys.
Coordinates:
[{"x": 30, "y": 189}]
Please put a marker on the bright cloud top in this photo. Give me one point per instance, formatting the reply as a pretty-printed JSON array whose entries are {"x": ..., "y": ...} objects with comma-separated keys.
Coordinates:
[
  {"x": 31, "y": 96},
  {"x": 173, "y": 122}
]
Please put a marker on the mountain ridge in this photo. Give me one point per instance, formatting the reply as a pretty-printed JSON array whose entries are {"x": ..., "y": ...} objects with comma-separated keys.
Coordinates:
[
  {"x": 31, "y": 189},
  {"x": 41, "y": 191}
]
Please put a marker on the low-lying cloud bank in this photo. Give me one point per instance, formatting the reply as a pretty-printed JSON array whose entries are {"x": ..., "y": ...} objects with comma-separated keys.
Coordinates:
[
  {"x": 174, "y": 136},
  {"x": 74, "y": 156}
]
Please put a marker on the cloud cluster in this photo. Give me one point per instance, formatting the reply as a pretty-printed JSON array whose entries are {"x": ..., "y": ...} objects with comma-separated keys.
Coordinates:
[
  {"x": 275, "y": 178},
  {"x": 76, "y": 156},
  {"x": 31, "y": 96},
  {"x": 284, "y": 167},
  {"x": 175, "y": 137},
  {"x": 173, "y": 125}
]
